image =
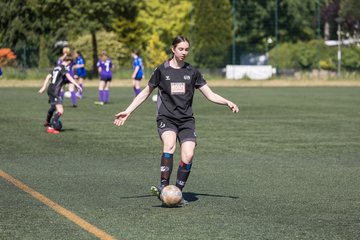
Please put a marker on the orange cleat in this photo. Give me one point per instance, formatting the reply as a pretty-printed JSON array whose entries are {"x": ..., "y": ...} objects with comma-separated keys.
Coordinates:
[{"x": 52, "y": 130}]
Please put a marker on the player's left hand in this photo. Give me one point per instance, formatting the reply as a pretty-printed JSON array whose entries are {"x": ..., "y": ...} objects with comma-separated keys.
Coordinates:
[{"x": 234, "y": 108}]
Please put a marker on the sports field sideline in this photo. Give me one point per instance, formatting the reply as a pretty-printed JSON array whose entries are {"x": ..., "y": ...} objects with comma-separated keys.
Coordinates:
[
  {"x": 220, "y": 83},
  {"x": 287, "y": 166}
]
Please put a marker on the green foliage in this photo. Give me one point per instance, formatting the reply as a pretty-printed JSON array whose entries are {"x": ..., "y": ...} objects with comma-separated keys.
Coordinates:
[
  {"x": 43, "y": 54},
  {"x": 350, "y": 8},
  {"x": 155, "y": 52},
  {"x": 351, "y": 58},
  {"x": 107, "y": 41},
  {"x": 133, "y": 34},
  {"x": 93, "y": 16},
  {"x": 19, "y": 28},
  {"x": 168, "y": 18},
  {"x": 255, "y": 22},
  {"x": 153, "y": 19},
  {"x": 211, "y": 34},
  {"x": 308, "y": 56},
  {"x": 300, "y": 55}
]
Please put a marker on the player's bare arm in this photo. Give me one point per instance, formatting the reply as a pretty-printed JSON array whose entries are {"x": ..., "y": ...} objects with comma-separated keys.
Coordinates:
[
  {"x": 47, "y": 79},
  {"x": 213, "y": 97},
  {"x": 135, "y": 72},
  {"x": 71, "y": 79},
  {"x": 121, "y": 117}
]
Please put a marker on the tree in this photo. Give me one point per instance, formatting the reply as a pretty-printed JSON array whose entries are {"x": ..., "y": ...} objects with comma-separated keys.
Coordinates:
[
  {"x": 155, "y": 52},
  {"x": 350, "y": 12},
  {"x": 92, "y": 16},
  {"x": 108, "y": 42},
  {"x": 155, "y": 14},
  {"x": 19, "y": 30},
  {"x": 256, "y": 22},
  {"x": 152, "y": 18},
  {"x": 328, "y": 14},
  {"x": 211, "y": 34}
]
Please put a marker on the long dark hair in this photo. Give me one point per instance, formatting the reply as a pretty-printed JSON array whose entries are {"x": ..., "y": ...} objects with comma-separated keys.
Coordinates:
[{"x": 179, "y": 39}]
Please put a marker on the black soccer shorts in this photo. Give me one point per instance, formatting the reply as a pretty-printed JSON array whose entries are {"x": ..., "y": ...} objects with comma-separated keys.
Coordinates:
[{"x": 185, "y": 130}]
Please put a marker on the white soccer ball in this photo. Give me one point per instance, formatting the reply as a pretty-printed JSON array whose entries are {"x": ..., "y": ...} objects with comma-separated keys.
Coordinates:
[
  {"x": 171, "y": 196},
  {"x": 67, "y": 94},
  {"x": 154, "y": 98}
]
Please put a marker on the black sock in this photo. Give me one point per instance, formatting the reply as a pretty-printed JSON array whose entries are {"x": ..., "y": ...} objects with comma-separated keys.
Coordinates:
[
  {"x": 183, "y": 174},
  {"x": 56, "y": 118},
  {"x": 166, "y": 168},
  {"x": 50, "y": 113}
]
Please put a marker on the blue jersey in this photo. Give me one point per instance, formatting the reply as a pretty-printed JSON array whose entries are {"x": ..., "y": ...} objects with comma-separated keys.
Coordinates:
[
  {"x": 80, "y": 71},
  {"x": 105, "y": 72},
  {"x": 138, "y": 63}
]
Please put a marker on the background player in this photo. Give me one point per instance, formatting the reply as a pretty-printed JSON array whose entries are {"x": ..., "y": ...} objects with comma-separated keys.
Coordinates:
[
  {"x": 70, "y": 68},
  {"x": 104, "y": 68},
  {"x": 138, "y": 73},
  {"x": 176, "y": 81},
  {"x": 57, "y": 77},
  {"x": 80, "y": 71}
]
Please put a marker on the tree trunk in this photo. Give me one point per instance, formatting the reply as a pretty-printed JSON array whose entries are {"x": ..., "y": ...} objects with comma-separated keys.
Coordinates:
[
  {"x": 327, "y": 31},
  {"x": 94, "y": 53}
]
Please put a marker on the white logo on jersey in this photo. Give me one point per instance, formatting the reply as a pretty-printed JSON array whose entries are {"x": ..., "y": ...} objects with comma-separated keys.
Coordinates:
[
  {"x": 161, "y": 125},
  {"x": 167, "y": 78},
  {"x": 187, "y": 77},
  {"x": 177, "y": 88}
]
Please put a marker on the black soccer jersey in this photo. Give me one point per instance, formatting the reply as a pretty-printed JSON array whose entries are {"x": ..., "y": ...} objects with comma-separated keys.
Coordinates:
[
  {"x": 176, "y": 90},
  {"x": 57, "y": 80}
]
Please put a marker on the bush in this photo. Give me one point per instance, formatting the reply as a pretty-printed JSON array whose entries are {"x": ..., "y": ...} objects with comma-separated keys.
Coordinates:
[{"x": 308, "y": 56}]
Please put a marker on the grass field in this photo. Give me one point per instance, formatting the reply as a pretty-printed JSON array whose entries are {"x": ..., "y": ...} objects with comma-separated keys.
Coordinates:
[{"x": 286, "y": 167}]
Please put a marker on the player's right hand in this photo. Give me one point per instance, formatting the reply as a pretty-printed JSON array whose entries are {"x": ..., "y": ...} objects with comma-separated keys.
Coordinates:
[{"x": 120, "y": 118}]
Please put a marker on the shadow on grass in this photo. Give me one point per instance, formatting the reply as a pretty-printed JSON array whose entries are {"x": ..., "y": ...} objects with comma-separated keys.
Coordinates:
[
  {"x": 189, "y": 196},
  {"x": 69, "y": 130},
  {"x": 193, "y": 197}
]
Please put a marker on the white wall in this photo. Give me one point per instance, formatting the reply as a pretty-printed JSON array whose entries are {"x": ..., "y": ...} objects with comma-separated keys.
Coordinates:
[{"x": 251, "y": 71}]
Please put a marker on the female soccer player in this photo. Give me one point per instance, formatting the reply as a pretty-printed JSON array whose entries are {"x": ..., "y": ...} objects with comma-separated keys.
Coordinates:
[
  {"x": 138, "y": 73},
  {"x": 176, "y": 81},
  {"x": 80, "y": 71},
  {"x": 104, "y": 68},
  {"x": 57, "y": 77}
]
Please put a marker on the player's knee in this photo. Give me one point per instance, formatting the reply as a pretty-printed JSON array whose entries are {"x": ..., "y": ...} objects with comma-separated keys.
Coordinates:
[
  {"x": 169, "y": 148},
  {"x": 187, "y": 156},
  {"x": 60, "y": 111}
]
